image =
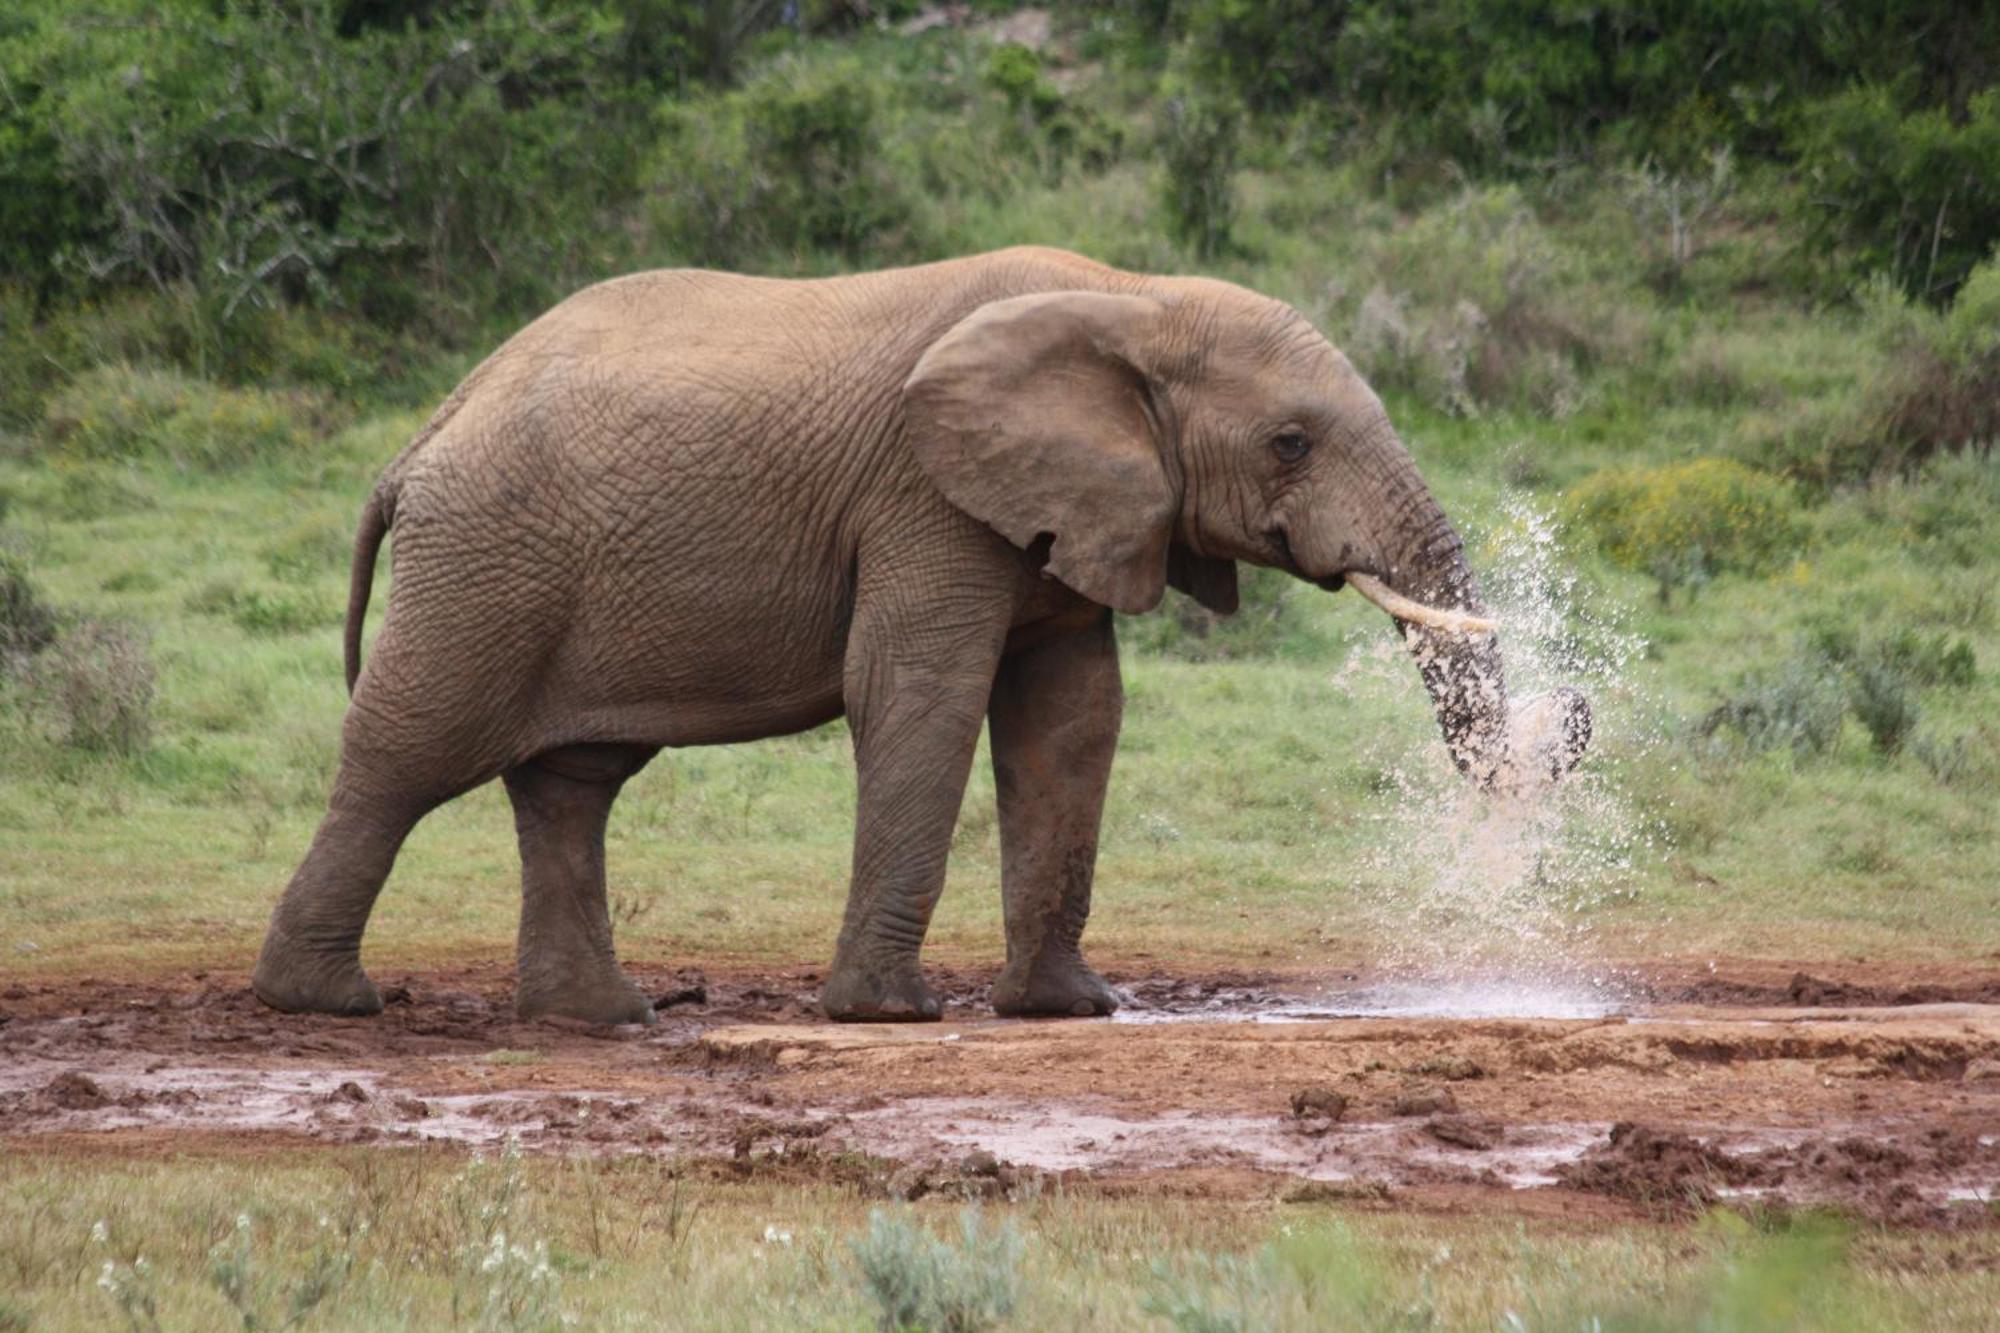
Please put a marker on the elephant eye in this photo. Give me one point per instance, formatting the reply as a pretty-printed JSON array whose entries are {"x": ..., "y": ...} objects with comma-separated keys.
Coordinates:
[{"x": 1290, "y": 446}]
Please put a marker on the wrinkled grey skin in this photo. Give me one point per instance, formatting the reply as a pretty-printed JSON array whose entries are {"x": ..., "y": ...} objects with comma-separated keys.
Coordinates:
[{"x": 688, "y": 508}]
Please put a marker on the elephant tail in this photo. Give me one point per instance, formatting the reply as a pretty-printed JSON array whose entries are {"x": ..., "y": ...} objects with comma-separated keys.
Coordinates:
[{"x": 375, "y": 520}]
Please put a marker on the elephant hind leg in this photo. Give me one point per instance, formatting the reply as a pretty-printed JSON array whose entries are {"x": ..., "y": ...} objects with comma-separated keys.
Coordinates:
[
  {"x": 311, "y": 959},
  {"x": 566, "y": 966}
]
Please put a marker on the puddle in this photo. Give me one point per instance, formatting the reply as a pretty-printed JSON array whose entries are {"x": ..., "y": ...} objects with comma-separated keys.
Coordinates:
[
  {"x": 1073, "y": 1138},
  {"x": 1466, "y": 999}
]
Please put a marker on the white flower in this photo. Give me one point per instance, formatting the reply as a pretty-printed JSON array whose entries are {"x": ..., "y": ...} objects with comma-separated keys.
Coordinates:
[
  {"x": 105, "y": 1281},
  {"x": 99, "y": 1232},
  {"x": 773, "y": 1236},
  {"x": 243, "y": 1221}
]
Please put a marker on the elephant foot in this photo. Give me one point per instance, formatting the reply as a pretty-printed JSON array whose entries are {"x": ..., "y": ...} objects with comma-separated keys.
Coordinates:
[
  {"x": 609, "y": 1001},
  {"x": 314, "y": 985},
  {"x": 1064, "y": 988},
  {"x": 853, "y": 995}
]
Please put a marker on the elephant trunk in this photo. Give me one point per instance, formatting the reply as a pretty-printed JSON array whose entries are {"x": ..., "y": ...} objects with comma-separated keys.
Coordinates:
[{"x": 1435, "y": 600}]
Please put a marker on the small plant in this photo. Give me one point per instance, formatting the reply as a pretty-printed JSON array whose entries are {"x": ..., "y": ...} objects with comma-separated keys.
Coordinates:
[
  {"x": 1884, "y": 699},
  {"x": 1198, "y": 146},
  {"x": 275, "y": 1300},
  {"x": 27, "y": 624},
  {"x": 1224, "y": 1294},
  {"x": 503, "y": 1282},
  {"x": 131, "y": 1286},
  {"x": 92, "y": 688},
  {"x": 1685, "y": 522},
  {"x": 918, "y": 1282}
]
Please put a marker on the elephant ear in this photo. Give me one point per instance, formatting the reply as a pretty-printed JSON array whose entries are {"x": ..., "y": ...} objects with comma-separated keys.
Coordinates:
[
  {"x": 1034, "y": 415},
  {"x": 1210, "y": 581}
]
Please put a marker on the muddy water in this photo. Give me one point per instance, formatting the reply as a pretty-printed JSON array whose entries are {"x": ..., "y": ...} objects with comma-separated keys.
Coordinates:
[{"x": 1234, "y": 1085}]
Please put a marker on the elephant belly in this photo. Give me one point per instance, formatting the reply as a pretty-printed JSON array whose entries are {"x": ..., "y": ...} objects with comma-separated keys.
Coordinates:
[{"x": 699, "y": 661}]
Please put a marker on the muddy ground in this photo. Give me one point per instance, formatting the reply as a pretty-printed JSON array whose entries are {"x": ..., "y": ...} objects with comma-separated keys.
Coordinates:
[{"x": 1761, "y": 1083}]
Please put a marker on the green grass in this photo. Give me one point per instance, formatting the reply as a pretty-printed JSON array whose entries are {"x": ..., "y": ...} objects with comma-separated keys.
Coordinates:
[{"x": 404, "y": 1238}]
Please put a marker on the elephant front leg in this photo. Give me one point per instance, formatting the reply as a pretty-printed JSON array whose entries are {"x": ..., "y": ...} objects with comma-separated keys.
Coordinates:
[
  {"x": 1055, "y": 714},
  {"x": 566, "y": 967},
  {"x": 915, "y": 700}
]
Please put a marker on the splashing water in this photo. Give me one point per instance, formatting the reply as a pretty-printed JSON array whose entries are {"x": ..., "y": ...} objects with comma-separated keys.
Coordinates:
[{"x": 1499, "y": 892}]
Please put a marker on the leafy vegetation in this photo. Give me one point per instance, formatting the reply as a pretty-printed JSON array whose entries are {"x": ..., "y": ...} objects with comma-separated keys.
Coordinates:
[{"x": 1685, "y": 522}]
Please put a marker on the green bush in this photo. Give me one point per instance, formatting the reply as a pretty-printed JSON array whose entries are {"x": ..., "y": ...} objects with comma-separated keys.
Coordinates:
[
  {"x": 790, "y": 164},
  {"x": 1929, "y": 386},
  {"x": 920, "y": 1283},
  {"x": 1473, "y": 307},
  {"x": 1198, "y": 148},
  {"x": 1929, "y": 660},
  {"x": 270, "y": 153},
  {"x": 1799, "y": 706},
  {"x": 1914, "y": 194},
  {"x": 140, "y": 413},
  {"x": 1884, "y": 698},
  {"x": 1685, "y": 522},
  {"x": 1505, "y": 86}
]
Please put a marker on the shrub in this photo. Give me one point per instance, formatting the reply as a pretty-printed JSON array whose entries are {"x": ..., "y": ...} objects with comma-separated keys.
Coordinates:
[
  {"x": 920, "y": 1283},
  {"x": 273, "y": 153},
  {"x": 1475, "y": 308},
  {"x": 92, "y": 688},
  {"x": 27, "y": 624},
  {"x": 127, "y": 412},
  {"x": 1800, "y": 706},
  {"x": 1198, "y": 147},
  {"x": 1941, "y": 392},
  {"x": 1939, "y": 659},
  {"x": 1685, "y": 522},
  {"x": 791, "y": 163},
  {"x": 1913, "y": 194},
  {"x": 1884, "y": 699},
  {"x": 1930, "y": 386}
]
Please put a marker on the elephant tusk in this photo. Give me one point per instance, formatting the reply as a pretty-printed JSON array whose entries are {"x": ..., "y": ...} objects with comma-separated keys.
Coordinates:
[{"x": 1416, "y": 613}]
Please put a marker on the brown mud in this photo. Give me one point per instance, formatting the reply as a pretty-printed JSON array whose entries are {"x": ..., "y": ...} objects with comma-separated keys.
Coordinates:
[{"x": 1761, "y": 1084}]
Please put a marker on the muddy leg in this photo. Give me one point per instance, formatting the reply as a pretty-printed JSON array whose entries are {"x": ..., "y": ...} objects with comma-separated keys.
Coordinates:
[
  {"x": 311, "y": 960},
  {"x": 566, "y": 967},
  {"x": 1054, "y": 721}
]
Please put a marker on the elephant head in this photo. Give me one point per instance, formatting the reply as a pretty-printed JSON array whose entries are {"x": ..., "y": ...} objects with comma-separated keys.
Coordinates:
[{"x": 1159, "y": 435}]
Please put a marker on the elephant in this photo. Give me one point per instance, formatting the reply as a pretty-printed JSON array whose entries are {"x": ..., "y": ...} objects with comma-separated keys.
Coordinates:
[{"x": 688, "y": 507}]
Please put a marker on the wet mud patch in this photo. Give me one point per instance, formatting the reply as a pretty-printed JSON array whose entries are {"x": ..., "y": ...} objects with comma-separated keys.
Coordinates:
[{"x": 1255, "y": 1088}]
